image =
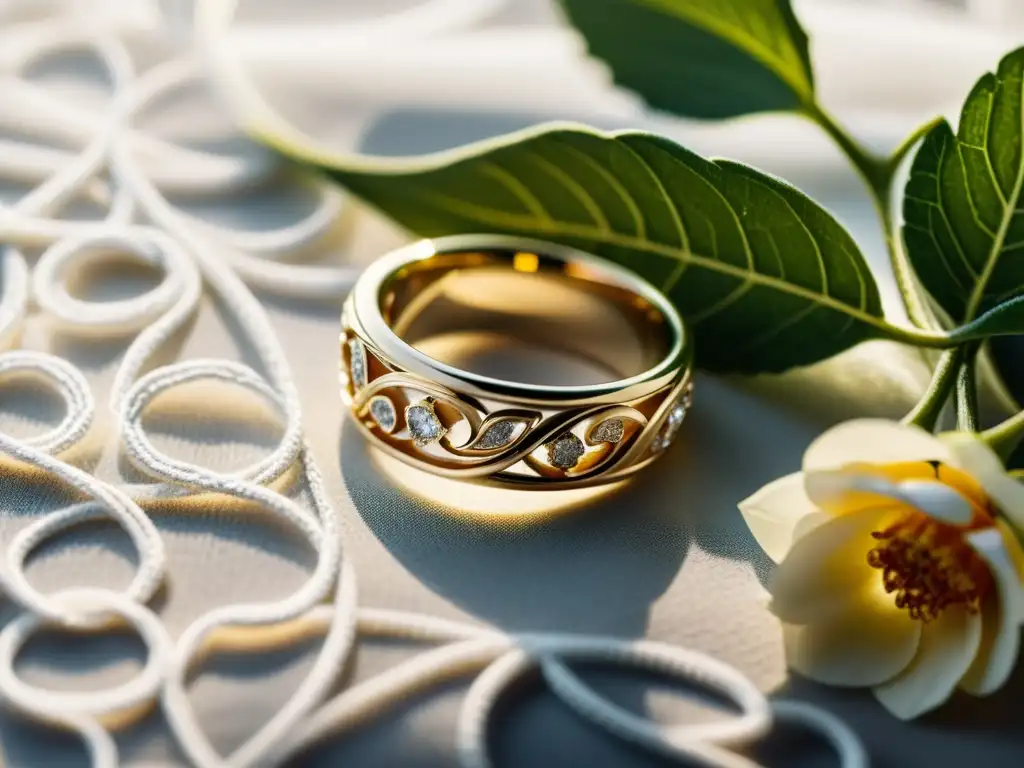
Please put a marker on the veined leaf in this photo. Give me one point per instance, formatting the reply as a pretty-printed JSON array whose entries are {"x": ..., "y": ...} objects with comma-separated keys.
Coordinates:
[
  {"x": 765, "y": 277},
  {"x": 963, "y": 210},
  {"x": 1005, "y": 319},
  {"x": 701, "y": 58}
]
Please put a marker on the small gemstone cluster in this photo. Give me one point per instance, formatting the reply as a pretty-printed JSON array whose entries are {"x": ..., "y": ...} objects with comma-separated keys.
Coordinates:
[
  {"x": 674, "y": 421},
  {"x": 357, "y": 364},
  {"x": 383, "y": 412},
  {"x": 424, "y": 426},
  {"x": 498, "y": 434},
  {"x": 563, "y": 452}
]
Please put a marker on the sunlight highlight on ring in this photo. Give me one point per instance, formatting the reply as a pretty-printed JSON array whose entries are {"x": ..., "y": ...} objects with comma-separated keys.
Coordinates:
[{"x": 497, "y": 504}]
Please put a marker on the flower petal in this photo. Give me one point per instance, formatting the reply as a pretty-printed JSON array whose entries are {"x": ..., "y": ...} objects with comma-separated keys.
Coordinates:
[
  {"x": 1015, "y": 551},
  {"x": 843, "y": 491},
  {"x": 937, "y": 500},
  {"x": 773, "y": 513},
  {"x": 878, "y": 441},
  {"x": 978, "y": 459},
  {"x": 808, "y": 523},
  {"x": 826, "y": 567},
  {"x": 867, "y": 643},
  {"x": 1000, "y": 638},
  {"x": 943, "y": 471},
  {"x": 948, "y": 646}
]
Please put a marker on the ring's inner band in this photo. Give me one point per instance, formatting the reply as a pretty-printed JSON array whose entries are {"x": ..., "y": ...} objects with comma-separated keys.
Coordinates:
[{"x": 525, "y": 317}]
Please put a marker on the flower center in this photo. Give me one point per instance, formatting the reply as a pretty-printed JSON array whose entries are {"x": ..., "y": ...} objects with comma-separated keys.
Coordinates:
[{"x": 929, "y": 566}]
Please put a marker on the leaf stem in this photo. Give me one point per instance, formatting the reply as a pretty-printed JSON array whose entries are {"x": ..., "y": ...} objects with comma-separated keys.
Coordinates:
[
  {"x": 906, "y": 279},
  {"x": 1006, "y": 319},
  {"x": 877, "y": 173},
  {"x": 967, "y": 391},
  {"x": 873, "y": 169},
  {"x": 926, "y": 413},
  {"x": 957, "y": 364},
  {"x": 896, "y": 158},
  {"x": 1004, "y": 438}
]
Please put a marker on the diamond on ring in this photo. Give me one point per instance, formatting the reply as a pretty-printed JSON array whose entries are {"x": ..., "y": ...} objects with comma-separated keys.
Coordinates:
[
  {"x": 357, "y": 363},
  {"x": 565, "y": 451},
  {"x": 424, "y": 426},
  {"x": 383, "y": 412},
  {"x": 498, "y": 434},
  {"x": 608, "y": 431}
]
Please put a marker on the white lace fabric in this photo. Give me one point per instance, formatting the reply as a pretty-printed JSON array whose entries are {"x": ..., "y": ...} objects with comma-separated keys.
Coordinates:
[{"x": 133, "y": 176}]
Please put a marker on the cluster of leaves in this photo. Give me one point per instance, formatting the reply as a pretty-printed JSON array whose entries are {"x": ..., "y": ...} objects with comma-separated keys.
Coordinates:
[{"x": 766, "y": 277}]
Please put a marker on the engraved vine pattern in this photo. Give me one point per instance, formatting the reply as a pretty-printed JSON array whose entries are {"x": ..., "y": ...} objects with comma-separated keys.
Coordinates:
[{"x": 526, "y": 433}]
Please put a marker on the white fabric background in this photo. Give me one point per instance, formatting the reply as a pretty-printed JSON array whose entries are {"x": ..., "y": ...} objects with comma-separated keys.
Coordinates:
[{"x": 667, "y": 557}]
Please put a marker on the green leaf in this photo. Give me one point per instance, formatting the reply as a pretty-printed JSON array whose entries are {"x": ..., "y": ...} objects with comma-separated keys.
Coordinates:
[
  {"x": 1005, "y": 319},
  {"x": 701, "y": 58},
  {"x": 964, "y": 219},
  {"x": 766, "y": 278}
]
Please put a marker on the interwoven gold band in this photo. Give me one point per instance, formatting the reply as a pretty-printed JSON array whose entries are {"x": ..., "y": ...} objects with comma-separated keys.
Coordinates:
[{"x": 478, "y": 428}]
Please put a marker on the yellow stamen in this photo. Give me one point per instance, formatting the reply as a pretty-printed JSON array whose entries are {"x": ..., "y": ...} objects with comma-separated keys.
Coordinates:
[{"x": 929, "y": 566}]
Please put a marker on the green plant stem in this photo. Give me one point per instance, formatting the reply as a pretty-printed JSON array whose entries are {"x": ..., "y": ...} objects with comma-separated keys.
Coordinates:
[
  {"x": 877, "y": 173},
  {"x": 955, "y": 366},
  {"x": 917, "y": 337},
  {"x": 929, "y": 339},
  {"x": 926, "y": 413},
  {"x": 873, "y": 169},
  {"x": 1004, "y": 438},
  {"x": 906, "y": 279},
  {"x": 967, "y": 391},
  {"x": 899, "y": 154}
]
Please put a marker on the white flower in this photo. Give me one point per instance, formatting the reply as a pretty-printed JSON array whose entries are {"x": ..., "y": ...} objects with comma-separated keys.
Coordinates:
[{"x": 897, "y": 568}]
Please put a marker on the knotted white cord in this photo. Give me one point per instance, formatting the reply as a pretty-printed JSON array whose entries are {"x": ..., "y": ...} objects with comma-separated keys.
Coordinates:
[{"x": 130, "y": 172}]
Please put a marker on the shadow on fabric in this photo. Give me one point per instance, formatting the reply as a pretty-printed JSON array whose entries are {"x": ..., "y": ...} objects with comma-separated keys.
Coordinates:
[{"x": 594, "y": 569}]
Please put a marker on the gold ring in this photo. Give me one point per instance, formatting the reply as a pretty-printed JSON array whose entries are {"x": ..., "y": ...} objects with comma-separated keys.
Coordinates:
[{"x": 496, "y": 298}]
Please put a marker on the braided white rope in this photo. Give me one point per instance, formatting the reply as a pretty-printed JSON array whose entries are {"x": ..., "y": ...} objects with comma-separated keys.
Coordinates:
[{"x": 131, "y": 174}]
